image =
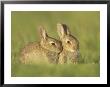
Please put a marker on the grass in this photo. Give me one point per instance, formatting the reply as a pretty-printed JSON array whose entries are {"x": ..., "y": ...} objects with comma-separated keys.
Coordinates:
[
  {"x": 84, "y": 25},
  {"x": 69, "y": 70}
]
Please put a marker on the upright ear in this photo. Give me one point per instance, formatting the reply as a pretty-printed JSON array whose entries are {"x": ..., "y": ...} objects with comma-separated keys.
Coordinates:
[
  {"x": 43, "y": 33},
  {"x": 62, "y": 30}
]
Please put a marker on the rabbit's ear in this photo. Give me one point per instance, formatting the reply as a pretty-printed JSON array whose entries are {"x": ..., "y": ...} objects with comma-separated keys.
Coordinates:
[
  {"x": 66, "y": 29},
  {"x": 43, "y": 33},
  {"x": 62, "y": 30}
]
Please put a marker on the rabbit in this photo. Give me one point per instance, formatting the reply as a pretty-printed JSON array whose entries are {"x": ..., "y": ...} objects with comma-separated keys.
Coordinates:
[
  {"x": 70, "y": 43},
  {"x": 45, "y": 51}
]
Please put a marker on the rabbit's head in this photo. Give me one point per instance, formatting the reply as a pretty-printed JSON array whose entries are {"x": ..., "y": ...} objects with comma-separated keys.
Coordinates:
[
  {"x": 69, "y": 42},
  {"x": 49, "y": 43}
]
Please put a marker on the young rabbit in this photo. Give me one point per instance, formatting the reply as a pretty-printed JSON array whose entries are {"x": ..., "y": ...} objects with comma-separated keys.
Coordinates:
[
  {"x": 70, "y": 45},
  {"x": 45, "y": 51}
]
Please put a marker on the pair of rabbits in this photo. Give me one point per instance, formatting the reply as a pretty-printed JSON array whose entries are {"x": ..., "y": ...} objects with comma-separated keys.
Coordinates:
[{"x": 50, "y": 50}]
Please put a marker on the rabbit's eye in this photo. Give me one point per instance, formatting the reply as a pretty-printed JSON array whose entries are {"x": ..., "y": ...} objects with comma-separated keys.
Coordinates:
[
  {"x": 68, "y": 42},
  {"x": 52, "y": 43}
]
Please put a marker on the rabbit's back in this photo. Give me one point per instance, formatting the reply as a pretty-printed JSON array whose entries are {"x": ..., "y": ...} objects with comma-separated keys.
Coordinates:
[{"x": 33, "y": 53}]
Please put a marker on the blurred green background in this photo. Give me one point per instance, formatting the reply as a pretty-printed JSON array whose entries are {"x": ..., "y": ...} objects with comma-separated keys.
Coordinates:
[{"x": 85, "y": 25}]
